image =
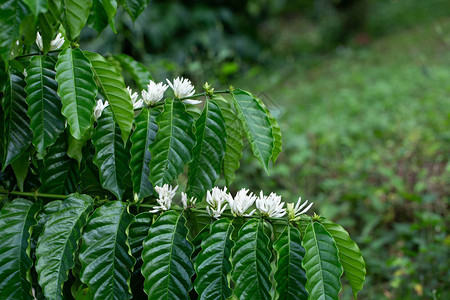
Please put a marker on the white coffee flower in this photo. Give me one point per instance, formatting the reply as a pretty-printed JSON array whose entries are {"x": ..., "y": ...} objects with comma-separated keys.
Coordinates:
[
  {"x": 216, "y": 199},
  {"x": 270, "y": 206},
  {"x": 183, "y": 88},
  {"x": 137, "y": 104},
  {"x": 166, "y": 194},
  {"x": 241, "y": 203},
  {"x": 98, "y": 110},
  {"x": 54, "y": 44},
  {"x": 187, "y": 203},
  {"x": 294, "y": 212},
  {"x": 154, "y": 93}
]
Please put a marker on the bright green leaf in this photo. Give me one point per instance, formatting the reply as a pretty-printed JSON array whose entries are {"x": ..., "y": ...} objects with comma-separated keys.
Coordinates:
[
  {"x": 104, "y": 252},
  {"x": 140, "y": 74},
  {"x": 167, "y": 266},
  {"x": 113, "y": 88},
  {"x": 77, "y": 89},
  {"x": 44, "y": 104},
  {"x": 76, "y": 13},
  {"x": 321, "y": 263},
  {"x": 349, "y": 255},
  {"x": 251, "y": 262},
  {"x": 16, "y": 220},
  {"x": 58, "y": 243},
  {"x": 174, "y": 142}
]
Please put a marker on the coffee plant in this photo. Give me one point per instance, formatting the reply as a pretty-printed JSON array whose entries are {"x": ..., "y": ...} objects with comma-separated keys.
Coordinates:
[{"x": 89, "y": 210}]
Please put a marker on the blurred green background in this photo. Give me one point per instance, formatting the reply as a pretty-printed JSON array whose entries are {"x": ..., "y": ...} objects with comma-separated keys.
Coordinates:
[{"x": 361, "y": 89}]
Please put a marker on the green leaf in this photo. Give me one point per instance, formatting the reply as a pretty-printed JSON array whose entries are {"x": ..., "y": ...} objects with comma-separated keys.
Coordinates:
[
  {"x": 44, "y": 104},
  {"x": 17, "y": 132},
  {"x": 256, "y": 125},
  {"x": 141, "y": 139},
  {"x": 77, "y": 89},
  {"x": 58, "y": 243},
  {"x": 174, "y": 142},
  {"x": 60, "y": 174},
  {"x": 349, "y": 255},
  {"x": 135, "y": 7},
  {"x": 321, "y": 263},
  {"x": 104, "y": 253},
  {"x": 235, "y": 144},
  {"x": 75, "y": 148},
  {"x": 251, "y": 262},
  {"x": 208, "y": 152},
  {"x": 113, "y": 88},
  {"x": 167, "y": 266},
  {"x": 37, "y": 6},
  {"x": 111, "y": 156},
  {"x": 213, "y": 262},
  {"x": 16, "y": 220},
  {"x": 110, "y": 7},
  {"x": 97, "y": 16},
  {"x": 20, "y": 167},
  {"x": 197, "y": 241},
  {"x": 140, "y": 74},
  {"x": 290, "y": 275},
  {"x": 76, "y": 13},
  {"x": 49, "y": 22},
  {"x": 12, "y": 12}
]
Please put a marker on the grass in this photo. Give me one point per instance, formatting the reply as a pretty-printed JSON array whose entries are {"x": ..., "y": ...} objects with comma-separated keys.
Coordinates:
[{"x": 366, "y": 137}]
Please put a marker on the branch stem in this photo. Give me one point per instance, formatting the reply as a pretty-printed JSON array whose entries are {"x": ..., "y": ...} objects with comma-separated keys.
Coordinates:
[{"x": 30, "y": 194}]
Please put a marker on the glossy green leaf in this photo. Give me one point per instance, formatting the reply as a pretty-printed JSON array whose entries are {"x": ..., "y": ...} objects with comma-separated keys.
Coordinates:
[
  {"x": 321, "y": 262},
  {"x": 174, "y": 142},
  {"x": 48, "y": 23},
  {"x": 17, "y": 133},
  {"x": 251, "y": 262},
  {"x": 113, "y": 88},
  {"x": 16, "y": 220},
  {"x": 20, "y": 167},
  {"x": 256, "y": 125},
  {"x": 58, "y": 243},
  {"x": 208, "y": 153},
  {"x": 60, "y": 174},
  {"x": 349, "y": 255},
  {"x": 140, "y": 74},
  {"x": 167, "y": 266},
  {"x": 276, "y": 131},
  {"x": 110, "y": 7},
  {"x": 77, "y": 89},
  {"x": 141, "y": 139},
  {"x": 290, "y": 275},
  {"x": 104, "y": 253},
  {"x": 76, "y": 13},
  {"x": 111, "y": 156},
  {"x": 135, "y": 7},
  {"x": 12, "y": 12},
  {"x": 235, "y": 144},
  {"x": 37, "y": 6},
  {"x": 44, "y": 104},
  {"x": 213, "y": 262},
  {"x": 98, "y": 19}
]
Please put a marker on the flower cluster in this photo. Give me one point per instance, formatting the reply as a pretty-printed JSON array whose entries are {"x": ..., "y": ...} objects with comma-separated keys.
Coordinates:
[
  {"x": 182, "y": 89},
  {"x": 166, "y": 194},
  {"x": 54, "y": 44}
]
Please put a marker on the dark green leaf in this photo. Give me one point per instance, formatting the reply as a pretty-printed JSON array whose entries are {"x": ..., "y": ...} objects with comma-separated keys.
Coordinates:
[
  {"x": 60, "y": 174},
  {"x": 321, "y": 263},
  {"x": 111, "y": 156},
  {"x": 140, "y": 74},
  {"x": 76, "y": 13},
  {"x": 17, "y": 132},
  {"x": 16, "y": 219},
  {"x": 251, "y": 262},
  {"x": 110, "y": 7},
  {"x": 290, "y": 275},
  {"x": 208, "y": 153},
  {"x": 235, "y": 144},
  {"x": 20, "y": 167},
  {"x": 104, "y": 256},
  {"x": 256, "y": 125},
  {"x": 167, "y": 266},
  {"x": 97, "y": 17},
  {"x": 213, "y": 262},
  {"x": 197, "y": 241},
  {"x": 49, "y": 22},
  {"x": 141, "y": 139},
  {"x": 58, "y": 243},
  {"x": 37, "y": 6},
  {"x": 77, "y": 89},
  {"x": 135, "y": 7},
  {"x": 174, "y": 142},
  {"x": 349, "y": 255},
  {"x": 44, "y": 104},
  {"x": 113, "y": 88},
  {"x": 12, "y": 12},
  {"x": 75, "y": 148}
]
